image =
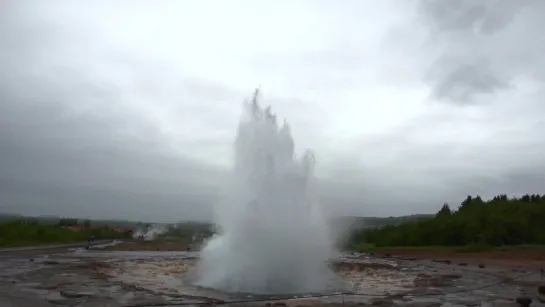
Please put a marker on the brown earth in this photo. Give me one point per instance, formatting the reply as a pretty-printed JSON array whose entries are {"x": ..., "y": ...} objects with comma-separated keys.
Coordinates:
[
  {"x": 164, "y": 246},
  {"x": 529, "y": 259}
]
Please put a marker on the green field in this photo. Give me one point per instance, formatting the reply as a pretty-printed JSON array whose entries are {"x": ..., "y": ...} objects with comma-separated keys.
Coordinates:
[{"x": 30, "y": 232}]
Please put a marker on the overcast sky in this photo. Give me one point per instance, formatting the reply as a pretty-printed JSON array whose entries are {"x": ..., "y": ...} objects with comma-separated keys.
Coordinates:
[{"x": 128, "y": 109}]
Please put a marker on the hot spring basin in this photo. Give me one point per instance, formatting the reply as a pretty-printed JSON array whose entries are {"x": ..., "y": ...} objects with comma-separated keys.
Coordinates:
[{"x": 173, "y": 276}]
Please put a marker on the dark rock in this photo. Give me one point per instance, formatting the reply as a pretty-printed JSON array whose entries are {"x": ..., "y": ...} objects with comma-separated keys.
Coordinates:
[
  {"x": 381, "y": 301},
  {"x": 541, "y": 293},
  {"x": 387, "y": 255},
  {"x": 462, "y": 264},
  {"x": 64, "y": 302},
  {"x": 481, "y": 266},
  {"x": 451, "y": 276},
  {"x": 51, "y": 262},
  {"x": 523, "y": 301},
  {"x": 424, "y": 303},
  {"x": 75, "y": 294},
  {"x": 465, "y": 302}
]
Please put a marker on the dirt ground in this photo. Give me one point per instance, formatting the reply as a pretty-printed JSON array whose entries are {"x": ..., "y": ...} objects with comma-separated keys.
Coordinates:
[
  {"x": 530, "y": 259},
  {"x": 163, "y": 246},
  {"x": 98, "y": 277}
]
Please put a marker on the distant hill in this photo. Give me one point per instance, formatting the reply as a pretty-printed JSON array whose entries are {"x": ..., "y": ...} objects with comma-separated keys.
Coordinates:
[
  {"x": 343, "y": 223},
  {"x": 55, "y": 219},
  {"x": 9, "y": 217}
]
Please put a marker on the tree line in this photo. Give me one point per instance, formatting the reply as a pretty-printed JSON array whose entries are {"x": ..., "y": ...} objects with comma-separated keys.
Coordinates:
[
  {"x": 24, "y": 232},
  {"x": 497, "y": 222}
]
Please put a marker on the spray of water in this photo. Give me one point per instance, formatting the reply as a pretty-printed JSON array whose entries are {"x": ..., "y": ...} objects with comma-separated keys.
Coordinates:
[
  {"x": 150, "y": 233},
  {"x": 272, "y": 236}
]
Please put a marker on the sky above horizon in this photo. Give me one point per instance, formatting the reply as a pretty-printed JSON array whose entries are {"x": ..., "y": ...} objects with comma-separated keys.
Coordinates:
[{"x": 128, "y": 109}]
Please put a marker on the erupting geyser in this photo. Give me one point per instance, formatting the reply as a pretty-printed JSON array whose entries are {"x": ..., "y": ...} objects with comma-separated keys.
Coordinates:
[{"x": 272, "y": 236}]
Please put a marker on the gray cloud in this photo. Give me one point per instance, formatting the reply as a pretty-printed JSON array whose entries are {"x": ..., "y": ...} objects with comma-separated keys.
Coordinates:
[
  {"x": 483, "y": 17},
  {"x": 69, "y": 144},
  {"x": 53, "y": 151},
  {"x": 482, "y": 47},
  {"x": 125, "y": 110},
  {"x": 458, "y": 81}
]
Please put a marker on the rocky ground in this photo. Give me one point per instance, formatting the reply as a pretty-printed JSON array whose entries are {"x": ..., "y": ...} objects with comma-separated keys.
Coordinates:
[
  {"x": 521, "y": 258},
  {"x": 168, "y": 246},
  {"x": 80, "y": 277}
]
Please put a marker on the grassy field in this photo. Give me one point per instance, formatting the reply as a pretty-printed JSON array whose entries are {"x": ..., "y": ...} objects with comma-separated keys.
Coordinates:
[{"x": 35, "y": 233}]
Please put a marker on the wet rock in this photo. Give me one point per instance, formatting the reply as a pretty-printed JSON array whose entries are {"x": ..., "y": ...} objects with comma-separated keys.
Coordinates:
[
  {"x": 52, "y": 285},
  {"x": 75, "y": 294},
  {"x": 541, "y": 293},
  {"x": 424, "y": 303},
  {"x": 51, "y": 262},
  {"x": 451, "y": 276},
  {"x": 463, "y": 302},
  {"x": 504, "y": 303},
  {"x": 523, "y": 301},
  {"x": 64, "y": 302},
  {"x": 481, "y": 266},
  {"x": 436, "y": 280},
  {"x": 381, "y": 301},
  {"x": 361, "y": 266},
  {"x": 462, "y": 264}
]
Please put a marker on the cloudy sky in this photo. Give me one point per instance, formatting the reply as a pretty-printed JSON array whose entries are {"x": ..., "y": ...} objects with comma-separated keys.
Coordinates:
[{"x": 129, "y": 108}]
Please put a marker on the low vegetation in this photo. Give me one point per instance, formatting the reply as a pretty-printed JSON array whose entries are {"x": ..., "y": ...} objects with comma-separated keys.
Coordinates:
[
  {"x": 476, "y": 225},
  {"x": 188, "y": 231},
  {"x": 23, "y": 232}
]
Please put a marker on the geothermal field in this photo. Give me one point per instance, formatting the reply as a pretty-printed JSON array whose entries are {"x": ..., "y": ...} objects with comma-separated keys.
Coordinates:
[{"x": 273, "y": 248}]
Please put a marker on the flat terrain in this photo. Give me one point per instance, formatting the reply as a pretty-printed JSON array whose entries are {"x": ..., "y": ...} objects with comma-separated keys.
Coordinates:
[
  {"x": 523, "y": 258},
  {"x": 140, "y": 273},
  {"x": 165, "y": 246},
  {"x": 45, "y": 247}
]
